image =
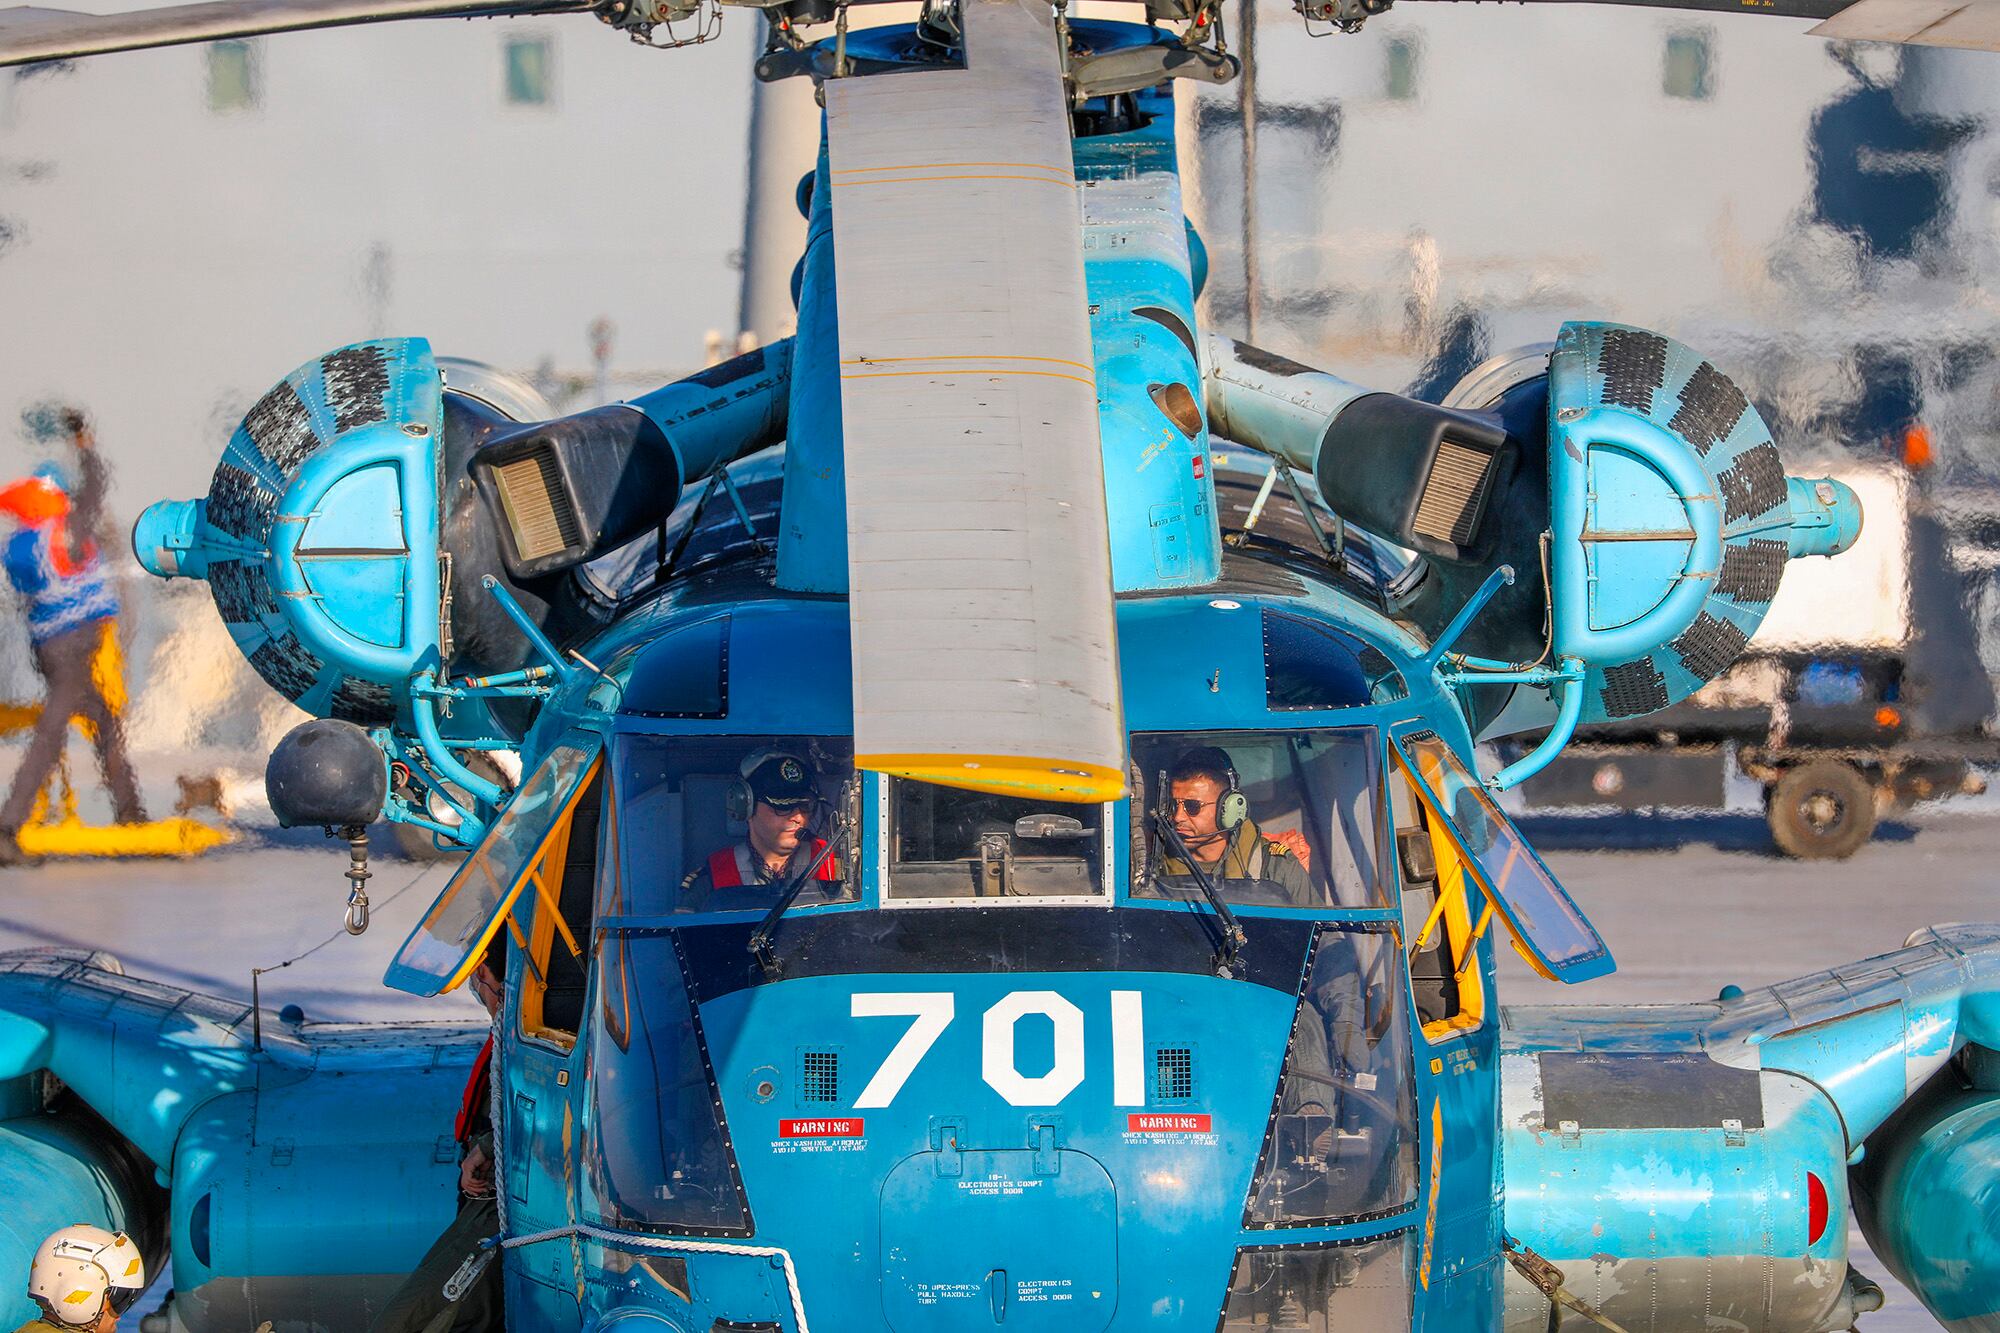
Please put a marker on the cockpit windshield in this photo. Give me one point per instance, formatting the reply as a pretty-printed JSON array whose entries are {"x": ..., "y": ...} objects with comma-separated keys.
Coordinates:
[
  {"x": 725, "y": 823},
  {"x": 1272, "y": 818}
]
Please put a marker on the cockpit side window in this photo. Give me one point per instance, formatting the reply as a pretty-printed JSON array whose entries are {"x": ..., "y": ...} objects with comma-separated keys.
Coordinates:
[
  {"x": 1288, "y": 819},
  {"x": 1549, "y": 930},
  {"x": 560, "y": 922},
  {"x": 1437, "y": 919},
  {"x": 726, "y": 823},
  {"x": 479, "y": 900}
]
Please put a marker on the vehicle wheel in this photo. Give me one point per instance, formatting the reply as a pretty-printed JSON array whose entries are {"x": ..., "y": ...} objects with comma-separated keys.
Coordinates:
[{"x": 1822, "y": 811}]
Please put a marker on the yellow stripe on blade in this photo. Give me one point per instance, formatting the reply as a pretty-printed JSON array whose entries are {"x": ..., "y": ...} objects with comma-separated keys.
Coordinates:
[{"x": 1005, "y": 775}]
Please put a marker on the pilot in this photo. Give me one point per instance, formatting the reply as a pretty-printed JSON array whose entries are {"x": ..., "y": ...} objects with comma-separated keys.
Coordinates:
[
  {"x": 53, "y": 561},
  {"x": 423, "y": 1304},
  {"x": 1213, "y": 820},
  {"x": 84, "y": 1277},
  {"x": 776, "y": 796}
]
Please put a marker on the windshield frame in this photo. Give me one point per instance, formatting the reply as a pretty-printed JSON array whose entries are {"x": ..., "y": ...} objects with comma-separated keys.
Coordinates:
[{"x": 1375, "y": 737}]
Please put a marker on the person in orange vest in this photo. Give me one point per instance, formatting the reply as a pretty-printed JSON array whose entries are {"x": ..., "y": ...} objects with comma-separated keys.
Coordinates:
[
  {"x": 55, "y": 564},
  {"x": 457, "y": 1287},
  {"x": 776, "y": 795}
]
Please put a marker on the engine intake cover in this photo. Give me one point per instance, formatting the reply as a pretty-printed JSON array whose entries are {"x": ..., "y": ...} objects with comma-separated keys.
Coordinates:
[
  {"x": 319, "y": 535},
  {"x": 1671, "y": 517}
]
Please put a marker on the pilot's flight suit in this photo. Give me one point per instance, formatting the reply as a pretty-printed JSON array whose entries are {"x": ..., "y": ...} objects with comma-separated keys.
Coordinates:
[
  {"x": 1249, "y": 855},
  {"x": 419, "y": 1305},
  {"x": 40, "y": 1326},
  {"x": 735, "y": 878}
]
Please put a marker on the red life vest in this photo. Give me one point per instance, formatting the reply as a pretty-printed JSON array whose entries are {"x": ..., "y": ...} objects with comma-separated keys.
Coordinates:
[
  {"x": 478, "y": 1091},
  {"x": 730, "y": 867}
]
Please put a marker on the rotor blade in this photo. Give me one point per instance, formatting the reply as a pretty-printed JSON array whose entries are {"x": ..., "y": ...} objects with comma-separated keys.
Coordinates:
[
  {"x": 1971, "y": 24},
  {"x": 1784, "y": 9},
  {"x": 979, "y": 554},
  {"x": 28, "y": 34}
]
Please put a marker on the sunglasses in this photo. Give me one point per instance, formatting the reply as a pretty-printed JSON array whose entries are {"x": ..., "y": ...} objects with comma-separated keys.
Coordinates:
[{"x": 1186, "y": 805}]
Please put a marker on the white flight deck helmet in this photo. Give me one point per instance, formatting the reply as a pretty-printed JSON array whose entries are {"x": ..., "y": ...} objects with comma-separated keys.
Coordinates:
[{"x": 79, "y": 1269}]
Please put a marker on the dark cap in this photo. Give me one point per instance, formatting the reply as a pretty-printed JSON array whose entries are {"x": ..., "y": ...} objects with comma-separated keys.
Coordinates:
[{"x": 782, "y": 781}]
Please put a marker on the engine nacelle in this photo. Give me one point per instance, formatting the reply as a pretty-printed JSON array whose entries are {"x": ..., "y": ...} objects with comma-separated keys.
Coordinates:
[
  {"x": 363, "y": 503},
  {"x": 1927, "y": 1192},
  {"x": 355, "y": 1162},
  {"x": 1664, "y": 1183},
  {"x": 1627, "y": 469},
  {"x": 63, "y": 1166}
]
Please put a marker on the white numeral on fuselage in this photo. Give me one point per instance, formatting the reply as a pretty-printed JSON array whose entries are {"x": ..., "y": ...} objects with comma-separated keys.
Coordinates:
[{"x": 933, "y": 1012}]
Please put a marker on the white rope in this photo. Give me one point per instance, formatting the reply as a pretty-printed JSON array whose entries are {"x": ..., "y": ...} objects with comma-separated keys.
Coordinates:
[
  {"x": 672, "y": 1244},
  {"x": 496, "y": 1089}
]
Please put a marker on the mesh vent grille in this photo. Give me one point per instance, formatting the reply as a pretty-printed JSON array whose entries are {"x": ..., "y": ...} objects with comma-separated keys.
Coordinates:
[
  {"x": 1173, "y": 1074},
  {"x": 1749, "y": 572},
  {"x": 1453, "y": 493},
  {"x": 1633, "y": 688},
  {"x": 819, "y": 1077},
  {"x": 538, "y": 509}
]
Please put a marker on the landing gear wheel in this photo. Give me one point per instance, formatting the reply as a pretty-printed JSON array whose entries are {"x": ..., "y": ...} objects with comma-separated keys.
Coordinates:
[{"x": 1822, "y": 811}]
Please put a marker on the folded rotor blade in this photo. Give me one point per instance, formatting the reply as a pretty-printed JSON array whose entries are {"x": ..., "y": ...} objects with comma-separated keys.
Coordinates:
[
  {"x": 28, "y": 34},
  {"x": 1971, "y": 24},
  {"x": 979, "y": 556}
]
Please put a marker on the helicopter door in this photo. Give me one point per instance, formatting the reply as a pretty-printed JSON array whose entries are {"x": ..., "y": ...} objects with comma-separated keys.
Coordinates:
[
  {"x": 441, "y": 951},
  {"x": 1022, "y": 1239},
  {"x": 1548, "y": 928}
]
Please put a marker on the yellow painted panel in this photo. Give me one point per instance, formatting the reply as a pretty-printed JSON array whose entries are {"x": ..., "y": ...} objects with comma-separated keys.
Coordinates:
[{"x": 1005, "y": 775}]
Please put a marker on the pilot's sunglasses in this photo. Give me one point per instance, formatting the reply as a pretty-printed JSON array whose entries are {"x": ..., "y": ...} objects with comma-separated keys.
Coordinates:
[{"x": 1186, "y": 805}]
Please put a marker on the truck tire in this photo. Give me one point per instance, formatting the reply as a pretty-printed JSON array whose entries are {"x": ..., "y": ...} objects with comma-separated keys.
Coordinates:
[{"x": 1822, "y": 811}]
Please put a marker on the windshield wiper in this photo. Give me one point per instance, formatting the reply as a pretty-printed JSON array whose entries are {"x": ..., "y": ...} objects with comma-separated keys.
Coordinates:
[
  {"x": 760, "y": 938},
  {"x": 1227, "y": 956}
]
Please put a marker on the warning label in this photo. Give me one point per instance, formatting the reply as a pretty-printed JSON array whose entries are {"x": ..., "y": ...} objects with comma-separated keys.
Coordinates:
[
  {"x": 1169, "y": 1129},
  {"x": 848, "y": 1128},
  {"x": 1161, "y": 1123}
]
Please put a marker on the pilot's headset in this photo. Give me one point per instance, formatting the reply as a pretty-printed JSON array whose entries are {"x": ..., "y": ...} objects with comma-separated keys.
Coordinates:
[
  {"x": 739, "y": 801},
  {"x": 1233, "y": 807}
]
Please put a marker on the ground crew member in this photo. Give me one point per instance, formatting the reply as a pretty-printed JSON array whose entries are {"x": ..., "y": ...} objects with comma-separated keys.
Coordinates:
[
  {"x": 54, "y": 562},
  {"x": 84, "y": 1277},
  {"x": 776, "y": 796},
  {"x": 1212, "y": 818},
  {"x": 421, "y": 1304}
]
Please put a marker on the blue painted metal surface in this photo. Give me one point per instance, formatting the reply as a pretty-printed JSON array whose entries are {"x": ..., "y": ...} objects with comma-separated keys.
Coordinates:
[
  {"x": 968, "y": 1115},
  {"x": 1158, "y": 492},
  {"x": 307, "y": 1172}
]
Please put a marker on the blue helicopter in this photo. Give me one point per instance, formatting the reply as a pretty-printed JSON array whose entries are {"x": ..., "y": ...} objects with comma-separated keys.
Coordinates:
[{"x": 1003, "y": 565}]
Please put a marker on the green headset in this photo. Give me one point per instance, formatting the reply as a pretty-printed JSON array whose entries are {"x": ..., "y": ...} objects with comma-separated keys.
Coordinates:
[{"x": 1231, "y": 808}]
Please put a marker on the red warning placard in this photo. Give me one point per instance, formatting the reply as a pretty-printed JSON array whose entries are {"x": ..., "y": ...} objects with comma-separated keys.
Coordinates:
[
  {"x": 848, "y": 1127},
  {"x": 1161, "y": 1123}
]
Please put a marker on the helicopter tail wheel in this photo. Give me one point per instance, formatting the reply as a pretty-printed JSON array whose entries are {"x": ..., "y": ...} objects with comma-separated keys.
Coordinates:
[{"x": 1822, "y": 811}]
